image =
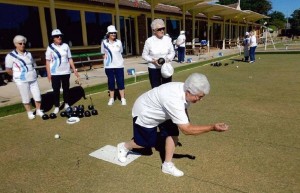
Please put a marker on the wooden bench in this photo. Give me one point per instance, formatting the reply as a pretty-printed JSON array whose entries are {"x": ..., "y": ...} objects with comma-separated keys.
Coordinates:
[
  {"x": 288, "y": 45},
  {"x": 87, "y": 58}
]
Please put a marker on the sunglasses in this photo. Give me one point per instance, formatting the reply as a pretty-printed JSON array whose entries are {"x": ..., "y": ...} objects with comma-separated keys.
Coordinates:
[
  {"x": 57, "y": 36},
  {"x": 113, "y": 33},
  {"x": 22, "y": 43},
  {"x": 160, "y": 29}
]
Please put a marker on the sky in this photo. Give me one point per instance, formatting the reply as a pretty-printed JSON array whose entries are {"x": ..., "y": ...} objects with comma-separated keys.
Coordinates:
[{"x": 287, "y": 7}]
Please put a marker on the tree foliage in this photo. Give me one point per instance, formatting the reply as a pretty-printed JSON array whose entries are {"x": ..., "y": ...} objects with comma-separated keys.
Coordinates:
[
  {"x": 295, "y": 22},
  {"x": 277, "y": 19},
  {"x": 258, "y": 6}
]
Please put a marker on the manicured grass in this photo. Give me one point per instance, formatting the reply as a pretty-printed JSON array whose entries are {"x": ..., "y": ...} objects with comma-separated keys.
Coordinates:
[{"x": 260, "y": 152}]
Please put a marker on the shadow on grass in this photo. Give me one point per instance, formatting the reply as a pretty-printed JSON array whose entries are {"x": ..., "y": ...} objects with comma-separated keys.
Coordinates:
[{"x": 76, "y": 93}]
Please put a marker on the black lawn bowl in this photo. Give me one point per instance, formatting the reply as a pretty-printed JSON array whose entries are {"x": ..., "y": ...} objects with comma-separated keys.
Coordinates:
[
  {"x": 45, "y": 117},
  {"x": 69, "y": 110},
  {"x": 75, "y": 109},
  {"x": 63, "y": 114},
  {"x": 80, "y": 115},
  {"x": 81, "y": 107},
  {"x": 74, "y": 114},
  {"x": 80, "y": 110},
  {"x": 232, "y": 62},
  {"x": 94, "y": 112},
  {"x": 87, "y": 113},
  {"x": 52, "y": 115},
  {"x": 220, "y": 64},
  {"x": 226, "y": 64},
  {"x": 161, "y": 61},
  {"x": 91, "y": 107}
]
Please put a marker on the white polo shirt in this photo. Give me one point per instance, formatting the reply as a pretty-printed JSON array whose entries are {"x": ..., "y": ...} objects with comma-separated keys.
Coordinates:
[
  {"x": 22, "y": 66},
  {"x": 113, "y": 51},
  {"x": 59, "y": 56},
  {"x": 156, "y": 48},
  {"x": 181, "y": 39},
  {"x": 160, "y": 104},
  {"x": 253, "y": 41}
]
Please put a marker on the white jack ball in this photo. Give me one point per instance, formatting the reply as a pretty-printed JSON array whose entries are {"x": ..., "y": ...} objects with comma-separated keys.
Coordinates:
[{"x": 56, "y": 136}]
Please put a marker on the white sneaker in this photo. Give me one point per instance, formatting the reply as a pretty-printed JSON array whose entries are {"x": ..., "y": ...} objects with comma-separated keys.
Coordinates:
[
  {"x": 111, "y": 101},
  {"x": 56, "y": 110},
  {"x": 30, "y": 115},
  {"x": 66, "y": 106},
  {"x": 122, "y": 152},
  {"x": 123, "y": 101},
  {"x": 169, "y": 168},
  {"x": 39, "y": 112}
]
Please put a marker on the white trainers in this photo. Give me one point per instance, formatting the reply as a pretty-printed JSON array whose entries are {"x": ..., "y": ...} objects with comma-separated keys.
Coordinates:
[
  {"x": 122, "y": 152},
  {"x": 39, "y": 112},
  {"x": 111, "y": 101},
  {"x": 56, "y": 110},
  {"x": 169, "y": 168},
  {"x": 30, "y": 115},
  {"x": 66, "y": 106},
  {"x": 123, "y": 101}
]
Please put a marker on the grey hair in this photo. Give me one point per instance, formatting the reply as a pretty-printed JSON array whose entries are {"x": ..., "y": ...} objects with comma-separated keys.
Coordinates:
[
  {"x": 19, "y": 38},
  {"x": 196, "y": 83},
  {"x": 157, "y": 22}
]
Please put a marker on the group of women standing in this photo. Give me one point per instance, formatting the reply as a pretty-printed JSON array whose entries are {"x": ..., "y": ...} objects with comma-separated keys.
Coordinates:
[
  {"x": 59, "y": 64},
  {"x": 20, "y": 64}
]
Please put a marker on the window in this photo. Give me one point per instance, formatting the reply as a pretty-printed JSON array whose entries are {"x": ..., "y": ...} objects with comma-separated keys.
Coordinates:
[
  {"x": 69, "y": 23},
  {"x": 173, "y": 28},
  {"x": 19, "y": 20},
  {"x": 96, "y": 26}
]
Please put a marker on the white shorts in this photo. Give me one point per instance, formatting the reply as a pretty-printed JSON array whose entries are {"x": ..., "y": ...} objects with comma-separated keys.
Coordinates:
[{"x": 25, "y": 88}]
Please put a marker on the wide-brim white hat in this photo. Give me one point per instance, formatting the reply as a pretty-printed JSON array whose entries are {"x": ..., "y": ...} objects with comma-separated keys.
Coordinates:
[
  {"x": 56, "y": 32},
  {"x": 73, "y": 120},
  {"x": 111, "y": 29},
  {"x": 167, "y": 70},
  {"x": 247, "y": 33},
  {"x": 182, "y": 32}
]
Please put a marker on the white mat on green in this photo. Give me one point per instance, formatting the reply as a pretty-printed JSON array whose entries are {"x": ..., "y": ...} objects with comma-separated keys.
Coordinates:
[{"x": 109, "y": 153}]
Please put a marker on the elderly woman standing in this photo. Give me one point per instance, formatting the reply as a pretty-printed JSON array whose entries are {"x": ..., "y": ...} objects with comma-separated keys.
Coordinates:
[
  {"x": 158, "y": 46},
  {"x": 112, "y": 49},
  {"x": 253, "y": 45},
  {"x": 58, "y": 64},
  {"x": 20, "y": 64}
]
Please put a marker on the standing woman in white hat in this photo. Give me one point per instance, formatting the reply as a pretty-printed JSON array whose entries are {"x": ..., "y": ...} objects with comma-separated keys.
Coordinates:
[
  {"x": 112, "y": 49},
  {"x": 180, "y": 42},
  {"x": 158, "y": 46},
  {"x": 20, "y": 64},
  {"x": 58, "y": 64}
]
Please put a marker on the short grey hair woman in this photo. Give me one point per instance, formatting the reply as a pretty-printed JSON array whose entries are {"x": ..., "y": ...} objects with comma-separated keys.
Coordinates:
[{"x": 20, "y": 64}]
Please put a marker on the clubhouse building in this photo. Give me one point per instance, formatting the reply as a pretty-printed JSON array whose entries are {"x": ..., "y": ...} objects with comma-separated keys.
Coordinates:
[{"x": 84, "y": 22}]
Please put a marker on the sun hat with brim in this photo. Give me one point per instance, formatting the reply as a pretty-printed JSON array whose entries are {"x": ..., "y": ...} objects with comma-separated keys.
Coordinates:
[
  {"x": 73, "y": 120},
  {"x": 167, "y": 70},
  {"x": 182, "y": 32},
  {"x": 111, "y": 29},
  {"x": 56, "y": 32}
]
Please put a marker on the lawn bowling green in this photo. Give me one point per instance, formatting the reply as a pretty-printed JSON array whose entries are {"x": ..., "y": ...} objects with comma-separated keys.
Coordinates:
[{"x": 260, "y": 153}]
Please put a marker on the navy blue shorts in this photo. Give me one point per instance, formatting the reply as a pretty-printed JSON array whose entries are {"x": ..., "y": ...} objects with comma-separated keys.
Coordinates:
[
  {"x": 147, "y": 137},
  {"x": 115, "y": 75}
]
